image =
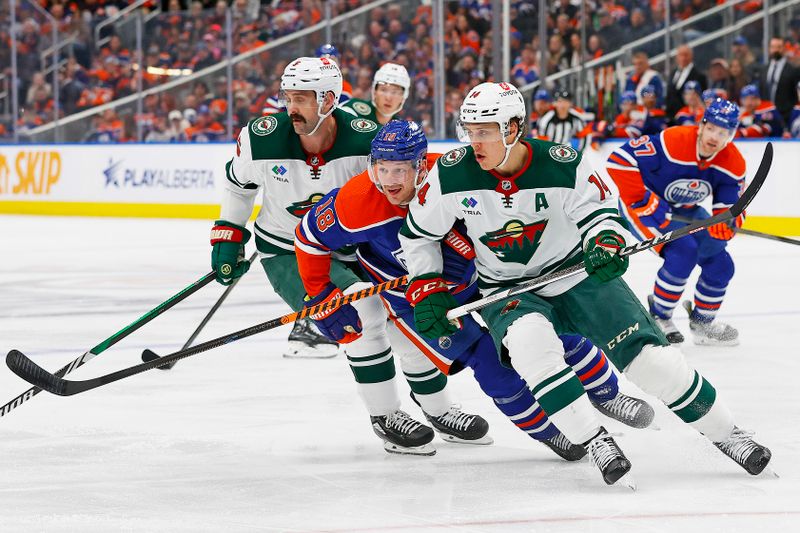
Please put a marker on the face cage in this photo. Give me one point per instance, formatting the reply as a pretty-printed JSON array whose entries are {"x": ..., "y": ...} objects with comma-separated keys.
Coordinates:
[
  {"x": 419, "y": 165},
  {"x": 402, "y": 102},
  {"x": 282, "y": 101}
]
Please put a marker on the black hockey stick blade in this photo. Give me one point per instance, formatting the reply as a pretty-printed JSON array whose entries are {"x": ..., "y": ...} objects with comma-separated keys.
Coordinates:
[
  {"x": 149, "y": 355},
  {"x": 21, "y": 365}
]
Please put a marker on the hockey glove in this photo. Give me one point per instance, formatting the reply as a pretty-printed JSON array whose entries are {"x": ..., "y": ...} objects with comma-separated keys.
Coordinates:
[
  {"x": 724, "y": 231},
  {"x": 227, "y": 252},
  {"x": 341, "y": 324},
  {"x": 432, "y": 300},
  {"x": 601, "y": 256},
  {"x": 651, "y": 210}
]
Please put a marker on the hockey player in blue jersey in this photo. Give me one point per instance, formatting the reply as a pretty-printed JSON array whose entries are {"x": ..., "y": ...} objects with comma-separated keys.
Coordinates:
[
  {"x": 671, "y": 174},
  {"x": 368, "y": 212}
]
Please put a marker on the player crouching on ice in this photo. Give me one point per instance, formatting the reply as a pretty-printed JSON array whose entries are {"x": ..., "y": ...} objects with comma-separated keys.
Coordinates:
[
  {"x": 532, "y": 207},
  {"x": 670, "y": 175},
  {"x": 368, "y": 212}
]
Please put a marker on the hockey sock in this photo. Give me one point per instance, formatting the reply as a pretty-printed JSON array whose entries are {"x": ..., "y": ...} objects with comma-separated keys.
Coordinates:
[
  {"x": 375, "y": 381},
  {"x": 429, "y": 390},
  {"x": 590, "y": 364},
  {"x": 524, "y": 412},
  {"x": 707, "y": 300},
  {"x": 667, "y": 293}
]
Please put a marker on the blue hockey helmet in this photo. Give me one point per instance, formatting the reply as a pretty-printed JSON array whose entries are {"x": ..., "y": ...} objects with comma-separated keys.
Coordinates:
[
  {"x": 750, "y": 90},
  {"x": 709, "y": 95},
  {"x": 399, "y": 140},
  {"x": 627, "y": 97},
  {"x": 691, "y": 85},
  {"x": 328, "y": 50},
  {"x": 541, "y": 94},
  {"x": 649, "y": 89},
  {"x": 722, "y": 113}
]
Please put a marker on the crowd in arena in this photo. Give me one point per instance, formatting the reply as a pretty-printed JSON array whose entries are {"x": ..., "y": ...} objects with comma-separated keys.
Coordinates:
[{"x": 189, "y": 36}]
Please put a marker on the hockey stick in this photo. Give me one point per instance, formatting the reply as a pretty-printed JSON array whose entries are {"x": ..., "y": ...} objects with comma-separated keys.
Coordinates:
[
  {"x": 112, "y": 340},
  {"x": 21, "y": 365},
  {"x": 744, "y": 231},
  {"x": 149, "y": 355}
]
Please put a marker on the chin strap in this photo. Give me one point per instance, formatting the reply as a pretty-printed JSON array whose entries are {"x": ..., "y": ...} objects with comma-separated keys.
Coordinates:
[
  {"x": 508, "y": 148},
  {"x": 321, "y": 118}
]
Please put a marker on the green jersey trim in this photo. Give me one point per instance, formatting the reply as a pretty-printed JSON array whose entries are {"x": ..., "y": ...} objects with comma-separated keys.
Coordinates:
[
  {"x": 573, "y": 258},
  {"x": 591, "y": 217},
  {"x": 415, "y": 230}
]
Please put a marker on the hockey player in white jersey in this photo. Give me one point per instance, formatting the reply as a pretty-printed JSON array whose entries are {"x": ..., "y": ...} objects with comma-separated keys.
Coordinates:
[
  {"x": 532, "y": 207},
  {"x": 295, "y": 158}
]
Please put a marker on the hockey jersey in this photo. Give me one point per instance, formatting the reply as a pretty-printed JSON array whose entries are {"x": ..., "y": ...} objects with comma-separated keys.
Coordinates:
[
  {"x": 794, "y": 122},
  {"x": 362, "y": 108},
  {"x": 640, "y": 121},
  {"x": 686, "y": 116},
  {"x": 765, "y": 121},
  {"x": 269, "y": 157},
  {"x": 359, "y": 214},
  {"x": 669, "y": 166},
  {"x": 522, "y": 226}
]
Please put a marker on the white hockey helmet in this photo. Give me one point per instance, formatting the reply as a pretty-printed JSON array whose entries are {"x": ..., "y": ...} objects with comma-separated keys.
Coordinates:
[
  {"x": 393, "y": 74},
  {"x": 318, "y": 74},
  {"x": 493, "y": 103}
]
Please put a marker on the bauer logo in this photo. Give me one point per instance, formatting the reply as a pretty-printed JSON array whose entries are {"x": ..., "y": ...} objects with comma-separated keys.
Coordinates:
[
  {"x": 363, "y": 125},
  {"x": 453, "y": 157},
  {"x": 563, "y": 153},
  {"x": 687, "y": 191},
  {"x": 264, "y": 126},
  {"x": 120, "y": 176}
]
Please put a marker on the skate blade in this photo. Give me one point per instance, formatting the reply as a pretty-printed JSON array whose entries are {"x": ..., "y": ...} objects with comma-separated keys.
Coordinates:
[
  {"x": 710, "y": 342},
  {"x": 425, "y": 449},
  {"x": 297, "y": 350},
  {"x": 626, "y": 481},
  {"x": 483, "y": 441}
]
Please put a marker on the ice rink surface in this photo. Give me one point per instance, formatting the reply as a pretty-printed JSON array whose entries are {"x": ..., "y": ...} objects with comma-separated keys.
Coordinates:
[{"x": 241, "y": 439}]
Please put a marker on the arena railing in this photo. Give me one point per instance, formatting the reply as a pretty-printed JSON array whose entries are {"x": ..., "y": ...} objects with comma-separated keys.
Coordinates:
[
  {"x": 261, "y": 61},
  {"x": 586, "y": 81}
]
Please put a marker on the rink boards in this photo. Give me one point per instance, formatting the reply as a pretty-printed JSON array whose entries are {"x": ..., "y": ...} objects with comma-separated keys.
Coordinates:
[{"x": 186, "y": 181}]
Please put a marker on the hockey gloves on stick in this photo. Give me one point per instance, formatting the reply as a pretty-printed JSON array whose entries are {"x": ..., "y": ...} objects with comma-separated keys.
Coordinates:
[
  {"x": 601, "y": 256},
  {"x": 432, "y": 300},
  {"x": 724, "y": 231},
  {"x": 227, "y": 253},
  {"x": 651, "y": 210},
  {"x": 341, "y": 324}
]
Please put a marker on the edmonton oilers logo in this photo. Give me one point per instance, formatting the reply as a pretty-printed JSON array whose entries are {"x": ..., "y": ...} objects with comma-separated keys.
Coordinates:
[
  {"x": 445, "y": 342},
  {"x": 687, "y": 191}
]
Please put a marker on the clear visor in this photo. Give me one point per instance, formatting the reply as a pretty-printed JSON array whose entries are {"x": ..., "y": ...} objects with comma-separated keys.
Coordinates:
[
  {"x": 386, "y": 174},
  {"x": 303, "y": 99},
  {"x": 483, "y": 132}
]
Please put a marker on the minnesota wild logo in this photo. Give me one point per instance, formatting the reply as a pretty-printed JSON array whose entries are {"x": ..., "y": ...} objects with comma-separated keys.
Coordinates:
[
  {"x": 515, "y": 242},
  {"x": 264, "y": 126},
  {"x": 302, "y": 207},
  {"x": 361, "y": 108},
  {"x": 363, "y": 125}
]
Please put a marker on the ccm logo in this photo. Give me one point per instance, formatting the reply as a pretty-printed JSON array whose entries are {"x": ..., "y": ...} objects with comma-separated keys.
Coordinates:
[
  {"x": 428, "y": 287},
  {"x": 622, "y": 336}
]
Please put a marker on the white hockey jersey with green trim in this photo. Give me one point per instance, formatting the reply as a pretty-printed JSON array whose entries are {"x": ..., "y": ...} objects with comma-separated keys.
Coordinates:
[
  {"x": 269, "y": 157},
  {"x": 522, "y": 226}
]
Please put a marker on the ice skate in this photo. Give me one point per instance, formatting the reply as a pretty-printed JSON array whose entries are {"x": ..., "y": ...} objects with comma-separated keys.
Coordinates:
[
  {"x": 630, "y": 411},
  {"x": 458, "y": 426},
  {"x": 564, "y": 448},
  {"x": 712, "y": 333},
  {"x": 608, "y": 457},
  {"x": 402, "y": 434},
  {"x": 305, "y": 341},
  {"x": 666, "y": 325},
  {"x": 747, "y": 453}
]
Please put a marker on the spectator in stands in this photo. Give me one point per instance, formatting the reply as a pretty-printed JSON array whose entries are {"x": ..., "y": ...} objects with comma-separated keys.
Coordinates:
[
  {"x": 629, "y": 123},
  {"x": 38, "y": 83},
  {"x": 206, "y": 128},
  {"x": 684, "y": 72},
  {"x": 656, "y": 116},
  {"x": 741, "y": 50},
  {"x": 737, "y": 80},
  {"x": 793, "y": 127},
  {"x": 643, "y": 76},
  {"x": 759, "y": 118},
  {"x": 594, "y": 48},
  {"x": 692, "y": 113},
  {"x": 781, "y": 79},
  {"x": 556, "y": 55},
  {"x": 526, "y": 70},
  {"x": 718, "y": 74},
  {"x": 542, "y": 103},
  {"x": 639, "y": 27},
  {"x": 608, "y": 30}
]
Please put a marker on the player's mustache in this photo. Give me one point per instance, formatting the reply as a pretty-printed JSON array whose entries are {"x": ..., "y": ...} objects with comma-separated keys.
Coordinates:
[{"x": 299, "y": 118}]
